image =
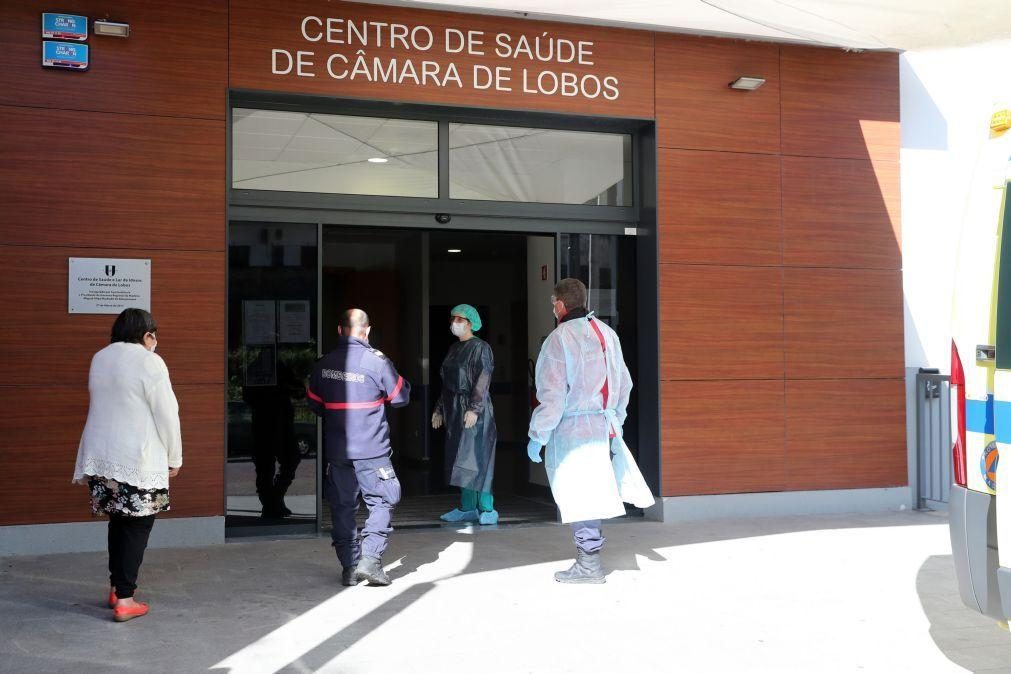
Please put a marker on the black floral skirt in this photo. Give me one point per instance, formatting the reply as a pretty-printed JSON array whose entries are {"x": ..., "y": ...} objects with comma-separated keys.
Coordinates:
[{"x": 109, "y": 497}]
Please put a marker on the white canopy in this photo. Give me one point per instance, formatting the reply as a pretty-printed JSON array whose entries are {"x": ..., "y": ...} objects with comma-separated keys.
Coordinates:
[{"x": 851, "y": 24}]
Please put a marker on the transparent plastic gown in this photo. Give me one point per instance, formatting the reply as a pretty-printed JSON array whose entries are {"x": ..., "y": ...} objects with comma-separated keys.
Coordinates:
[
  {"x": 466, "y": 382},
  {"x": 586, "y": 482}
]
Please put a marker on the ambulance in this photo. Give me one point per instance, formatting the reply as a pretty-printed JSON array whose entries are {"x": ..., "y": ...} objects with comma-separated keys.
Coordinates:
[{"x": 980, "y": 505}]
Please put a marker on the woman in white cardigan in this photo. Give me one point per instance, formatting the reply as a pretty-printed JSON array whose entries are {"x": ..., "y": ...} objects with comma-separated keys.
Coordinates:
[{"x": 130, "y": 448}]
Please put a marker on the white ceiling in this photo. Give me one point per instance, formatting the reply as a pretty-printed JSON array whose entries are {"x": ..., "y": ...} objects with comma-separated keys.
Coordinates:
[
  {"x": 852, "y": 24},
  {"x": 309, "y": 152}
]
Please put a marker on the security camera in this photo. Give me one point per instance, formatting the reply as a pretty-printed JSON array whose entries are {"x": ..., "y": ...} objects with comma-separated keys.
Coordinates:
[{"x": 443, "y": 218}]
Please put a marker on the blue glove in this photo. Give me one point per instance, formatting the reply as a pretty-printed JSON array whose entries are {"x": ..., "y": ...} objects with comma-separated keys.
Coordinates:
[{"x": 534, "y": 451}]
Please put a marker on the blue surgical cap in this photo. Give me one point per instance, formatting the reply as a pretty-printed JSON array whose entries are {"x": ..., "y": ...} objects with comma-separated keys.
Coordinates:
[{"x": 470, "y": 313}]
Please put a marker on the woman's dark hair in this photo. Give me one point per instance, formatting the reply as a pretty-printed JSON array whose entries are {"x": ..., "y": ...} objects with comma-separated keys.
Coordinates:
[{"x": 132, "y": 325}]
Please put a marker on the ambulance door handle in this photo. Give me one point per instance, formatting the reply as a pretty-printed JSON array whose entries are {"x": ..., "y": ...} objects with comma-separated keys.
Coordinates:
[{"x": 986, "y": 352}]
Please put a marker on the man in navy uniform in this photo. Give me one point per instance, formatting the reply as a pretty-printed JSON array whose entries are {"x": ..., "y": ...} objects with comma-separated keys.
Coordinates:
[{"x": 350, "y": 388}]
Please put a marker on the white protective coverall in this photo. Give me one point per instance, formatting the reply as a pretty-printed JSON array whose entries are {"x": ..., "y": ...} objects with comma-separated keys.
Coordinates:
[{"x": 571, "y": 420}]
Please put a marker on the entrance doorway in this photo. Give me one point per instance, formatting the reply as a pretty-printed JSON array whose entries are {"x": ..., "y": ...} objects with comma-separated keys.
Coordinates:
[
  {"x": 288, "y": 285},
  {"x": 408, "y": 281}
]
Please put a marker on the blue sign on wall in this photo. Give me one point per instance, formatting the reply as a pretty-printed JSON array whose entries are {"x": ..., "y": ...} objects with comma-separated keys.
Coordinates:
[
  {"x": 65, "y": 27},
  {"x": 69, "y": 55}
]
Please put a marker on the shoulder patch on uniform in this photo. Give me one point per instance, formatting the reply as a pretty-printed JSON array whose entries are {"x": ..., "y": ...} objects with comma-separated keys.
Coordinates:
[{"x": 379, "y": 353}]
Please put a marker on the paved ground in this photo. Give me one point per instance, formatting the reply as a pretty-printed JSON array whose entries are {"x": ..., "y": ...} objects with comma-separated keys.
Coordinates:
[{"x": 804, "y": 594}]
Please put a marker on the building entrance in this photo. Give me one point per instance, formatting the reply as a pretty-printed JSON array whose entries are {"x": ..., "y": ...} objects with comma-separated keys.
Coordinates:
[{"x": 288, "y": 285}]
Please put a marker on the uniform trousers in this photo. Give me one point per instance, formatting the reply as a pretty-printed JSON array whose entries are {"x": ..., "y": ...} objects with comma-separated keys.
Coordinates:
[{"x": 374, "y": 481}]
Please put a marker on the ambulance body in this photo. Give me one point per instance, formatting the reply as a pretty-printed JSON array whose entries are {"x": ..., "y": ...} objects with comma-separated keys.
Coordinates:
[{"x": 980, "y": 506}]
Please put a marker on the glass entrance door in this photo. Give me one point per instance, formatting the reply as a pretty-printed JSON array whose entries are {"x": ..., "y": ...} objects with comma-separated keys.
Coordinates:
[
  {"x": 288, "y": 285},
  {"x": 606, "y": 264},
  {"x": 271, "y": 475},
  {"x": 408, "y": 281}
]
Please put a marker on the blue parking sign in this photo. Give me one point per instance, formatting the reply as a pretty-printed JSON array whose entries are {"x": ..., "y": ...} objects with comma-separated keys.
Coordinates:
[
  {"x": 65, "y": 27},
  {"x": 69, "y": 55}
]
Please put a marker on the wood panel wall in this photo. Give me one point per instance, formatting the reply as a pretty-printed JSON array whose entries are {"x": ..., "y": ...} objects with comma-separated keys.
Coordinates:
[
  {"x": 126, "y": 160},
  {"x": 780, "y": 290},
  {"x": 781, "y": 284}
]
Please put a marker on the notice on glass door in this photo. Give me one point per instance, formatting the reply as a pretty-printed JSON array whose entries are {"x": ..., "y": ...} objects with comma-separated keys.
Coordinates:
[
  {"x": 293, "y": 323},
  {"x": 258, "y": 322}
]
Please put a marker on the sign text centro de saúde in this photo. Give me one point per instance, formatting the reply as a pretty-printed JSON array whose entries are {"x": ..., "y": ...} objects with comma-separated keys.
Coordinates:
[{"x": 539, "y": 64}]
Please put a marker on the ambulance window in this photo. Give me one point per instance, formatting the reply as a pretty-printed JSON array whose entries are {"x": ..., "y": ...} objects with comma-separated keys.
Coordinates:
[{"x": 1004, "y": 290}]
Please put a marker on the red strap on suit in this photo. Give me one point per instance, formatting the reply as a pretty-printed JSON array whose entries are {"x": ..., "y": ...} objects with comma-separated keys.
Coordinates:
[{"x": 604, "y": 391}]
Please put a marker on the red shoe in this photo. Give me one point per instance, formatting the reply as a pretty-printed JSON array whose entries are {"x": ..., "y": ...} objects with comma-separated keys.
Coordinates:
[
  {"x": 123, "y": 613},
  {"x": 113, "y": 598}
]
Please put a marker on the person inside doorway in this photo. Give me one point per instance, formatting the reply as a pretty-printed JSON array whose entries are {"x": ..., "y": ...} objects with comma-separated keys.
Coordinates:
[
  {"x": 465, "y": 408},
  {"x": 583, "y": 386},
  {"x": 349, "y": 389}
]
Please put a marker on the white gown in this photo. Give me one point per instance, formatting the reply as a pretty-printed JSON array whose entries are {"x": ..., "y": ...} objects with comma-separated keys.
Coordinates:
[{"x": 586, "y": 482}]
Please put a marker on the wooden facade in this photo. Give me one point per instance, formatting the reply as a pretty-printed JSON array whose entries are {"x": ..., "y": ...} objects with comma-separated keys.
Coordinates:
[{"x": 780, "y": 265}]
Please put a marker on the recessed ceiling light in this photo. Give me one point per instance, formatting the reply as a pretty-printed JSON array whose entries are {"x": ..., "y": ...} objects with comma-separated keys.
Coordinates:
[
  {"x": 747, "y": 83},
  {"x": 378, "y": 160},
  {"x": 454, "y": 250}
]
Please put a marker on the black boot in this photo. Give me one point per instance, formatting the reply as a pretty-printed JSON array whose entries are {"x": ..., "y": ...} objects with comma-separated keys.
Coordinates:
[
  {"x": 349, "y": 576},
  {"x": 587, "y": 569},
  {"x": 371, "y": 569}
]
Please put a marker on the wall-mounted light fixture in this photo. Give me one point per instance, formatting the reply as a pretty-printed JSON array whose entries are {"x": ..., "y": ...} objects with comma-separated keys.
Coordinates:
[
  {"x": 454, "y": 250},
  {"x": 111, "y": 28},
  {"x": 377, "y": 160},
  {"x": 747, "y": 83}
]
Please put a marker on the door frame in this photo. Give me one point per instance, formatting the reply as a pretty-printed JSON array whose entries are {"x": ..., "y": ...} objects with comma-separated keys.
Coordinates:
[{"x": 638, "y": 220}]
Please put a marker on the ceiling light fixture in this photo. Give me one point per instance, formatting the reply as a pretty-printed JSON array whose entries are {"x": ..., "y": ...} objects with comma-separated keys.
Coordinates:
[
  {"x": 378, "y": 160},
  {"x": 454, "y": 250},
  {"x": 747, "y": 83}
]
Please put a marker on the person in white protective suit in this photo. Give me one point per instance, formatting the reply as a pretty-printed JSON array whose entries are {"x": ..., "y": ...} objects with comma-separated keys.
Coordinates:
[{"x": 583, "y": 387}]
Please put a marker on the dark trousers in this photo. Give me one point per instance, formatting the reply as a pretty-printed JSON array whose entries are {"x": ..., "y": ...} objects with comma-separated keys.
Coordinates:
[
  {"x": 377, "y": 484},
  {"x": 589, "y": 536},
  {"x": 127, "y": 543}
]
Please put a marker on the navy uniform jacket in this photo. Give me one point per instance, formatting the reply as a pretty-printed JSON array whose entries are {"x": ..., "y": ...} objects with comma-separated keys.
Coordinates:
[{"x": 349, "y": 388}]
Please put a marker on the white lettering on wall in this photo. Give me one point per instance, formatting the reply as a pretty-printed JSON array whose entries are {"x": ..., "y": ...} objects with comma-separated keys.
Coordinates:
[{"x": 539, "y": 64}]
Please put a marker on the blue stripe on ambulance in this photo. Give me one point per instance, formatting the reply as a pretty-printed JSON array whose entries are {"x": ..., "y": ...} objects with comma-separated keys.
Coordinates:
[
  {"x": 979, "y": 415},
  {"x": 1002, "y": 409}
]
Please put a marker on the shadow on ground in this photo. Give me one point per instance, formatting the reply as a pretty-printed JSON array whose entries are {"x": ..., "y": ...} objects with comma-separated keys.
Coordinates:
[
  {"x": 209, "y": 603},
  {"x": 968, "y": 639}
]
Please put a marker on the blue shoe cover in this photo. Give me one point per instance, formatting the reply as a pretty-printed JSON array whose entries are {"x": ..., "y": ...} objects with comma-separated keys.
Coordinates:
[
  {"x": 490, "y": 517},
  {"x": 457, "y": 515}
]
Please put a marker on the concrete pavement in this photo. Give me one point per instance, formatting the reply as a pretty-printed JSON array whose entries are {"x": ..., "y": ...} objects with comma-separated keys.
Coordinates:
[{"x": 799, "y": 594}]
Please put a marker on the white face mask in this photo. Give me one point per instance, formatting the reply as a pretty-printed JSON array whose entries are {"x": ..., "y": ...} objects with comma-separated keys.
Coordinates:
[
  {"x": 458, "y": 328},
  {"x": 153, "y": 348}
]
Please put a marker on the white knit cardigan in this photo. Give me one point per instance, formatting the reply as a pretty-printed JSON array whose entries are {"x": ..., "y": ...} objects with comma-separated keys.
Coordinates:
[{"x": 132, "y": 434}]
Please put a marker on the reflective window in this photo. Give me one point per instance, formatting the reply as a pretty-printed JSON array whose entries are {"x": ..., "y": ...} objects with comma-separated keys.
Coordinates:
[
  {"x": 503, "y": 163},
  {"x": 334, "y": 154},
  {"x": 270, "y": 477}
]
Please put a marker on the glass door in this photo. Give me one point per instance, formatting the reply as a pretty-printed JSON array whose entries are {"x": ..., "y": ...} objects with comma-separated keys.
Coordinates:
[
  {"x": 606, "y": 264},
  {"x": 271, "y": 471},
  {"x": 383, "y": 272}
]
